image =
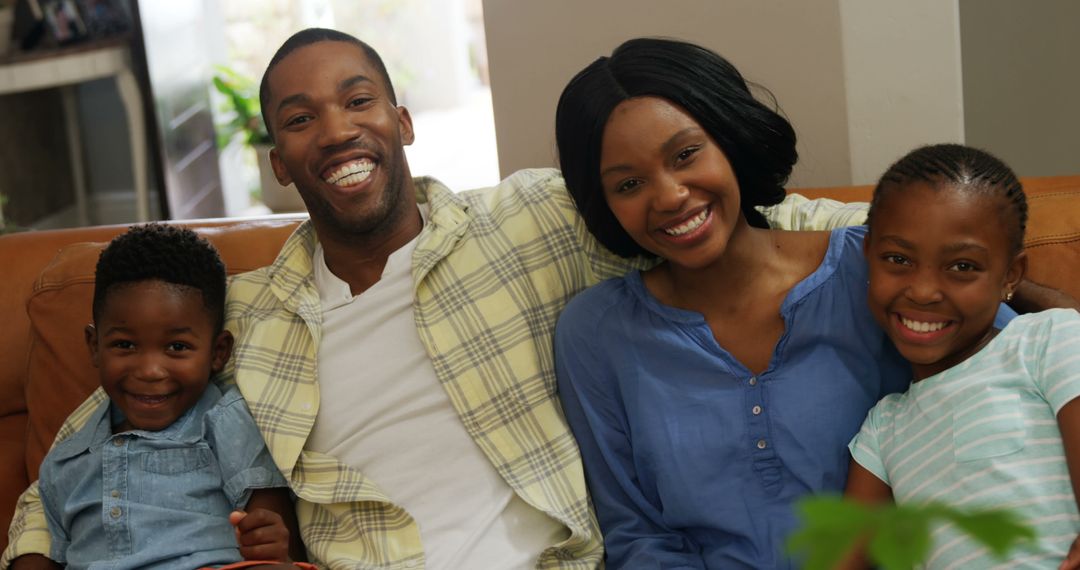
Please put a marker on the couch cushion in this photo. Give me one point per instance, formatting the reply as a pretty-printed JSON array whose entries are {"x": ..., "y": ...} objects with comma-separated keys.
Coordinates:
[
  {"x": 1053, "y": 237},
  {"x": 59, "y": 374}
]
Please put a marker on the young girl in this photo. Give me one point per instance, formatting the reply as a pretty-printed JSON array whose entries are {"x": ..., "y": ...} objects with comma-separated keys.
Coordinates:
[{"x": 992, "y": 418}]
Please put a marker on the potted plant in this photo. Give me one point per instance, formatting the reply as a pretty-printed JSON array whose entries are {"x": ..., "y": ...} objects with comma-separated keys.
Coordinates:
[{"x": 245, "y": 122}]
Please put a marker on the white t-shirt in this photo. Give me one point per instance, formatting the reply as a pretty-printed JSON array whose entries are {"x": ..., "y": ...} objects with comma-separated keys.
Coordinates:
[{"x": 383, "y": 412}]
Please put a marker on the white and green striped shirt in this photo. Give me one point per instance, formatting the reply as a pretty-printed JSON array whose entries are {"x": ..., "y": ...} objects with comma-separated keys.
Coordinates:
[{"x": 984, "y": 434}]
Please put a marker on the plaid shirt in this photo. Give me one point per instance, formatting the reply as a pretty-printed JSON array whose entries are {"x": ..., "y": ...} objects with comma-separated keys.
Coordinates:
[{"x": 492, "y": 270}]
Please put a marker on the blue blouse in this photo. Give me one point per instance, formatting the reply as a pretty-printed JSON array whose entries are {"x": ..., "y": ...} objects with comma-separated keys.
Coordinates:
[
  {"x": 692, "y": 460},
  {"x": 155, "y": 499}
]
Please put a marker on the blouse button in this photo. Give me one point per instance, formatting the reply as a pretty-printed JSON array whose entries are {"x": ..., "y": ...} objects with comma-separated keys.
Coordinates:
[
  {"x": 114, "y": 494},
  {"x": 753, "y": 380},
  {"x": 761, "y": 444},
  {"x": 115, "y": 512},
  {"x": 756, "y": 410}
]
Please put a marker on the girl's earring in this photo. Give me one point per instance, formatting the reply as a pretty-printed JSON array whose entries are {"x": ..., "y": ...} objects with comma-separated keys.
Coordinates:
[{"x": 1008, "y": 296}]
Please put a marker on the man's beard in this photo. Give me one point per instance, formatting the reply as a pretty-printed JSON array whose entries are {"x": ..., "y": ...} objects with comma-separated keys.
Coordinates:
[{"x": 383, "y": 216}]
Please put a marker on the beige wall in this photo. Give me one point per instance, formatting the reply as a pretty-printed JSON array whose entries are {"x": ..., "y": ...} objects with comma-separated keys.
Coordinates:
[
  {"x": 840, "y": 69},
  {"x": 1022, "y": 82},
  {"x": 903, "y": 79}
]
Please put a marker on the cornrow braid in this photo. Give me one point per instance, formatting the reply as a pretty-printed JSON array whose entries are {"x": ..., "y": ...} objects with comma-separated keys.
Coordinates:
[
  {"x": 162, "y": 252},
  {"x": 967, "y": 168}
]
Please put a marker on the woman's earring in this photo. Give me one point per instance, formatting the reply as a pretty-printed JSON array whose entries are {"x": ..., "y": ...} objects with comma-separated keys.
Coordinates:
[{"x": 1008, "y": 296}]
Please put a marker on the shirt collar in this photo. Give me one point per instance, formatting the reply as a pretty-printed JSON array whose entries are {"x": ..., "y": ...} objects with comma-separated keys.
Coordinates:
[
  {"x": 98, "y": 429},
  {"x": 335, "y": 292}
]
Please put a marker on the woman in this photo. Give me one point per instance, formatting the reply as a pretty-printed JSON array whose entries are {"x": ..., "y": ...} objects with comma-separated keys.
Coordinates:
[{"x": 708, "y": 393}]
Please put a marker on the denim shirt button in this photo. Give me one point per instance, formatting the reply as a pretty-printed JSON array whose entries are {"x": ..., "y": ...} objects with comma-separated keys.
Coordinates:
[
  {"x": 115, "y": 512},
  {"x": 114, "y": 493},
  {"x": 118, "y": 441},
  {"x": 761, "y": 444}
]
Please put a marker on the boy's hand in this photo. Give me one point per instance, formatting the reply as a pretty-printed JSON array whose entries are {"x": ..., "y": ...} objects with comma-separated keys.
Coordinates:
[
  {"x": 1072, "y": 560},
  {"x": 261, "y": 534}
]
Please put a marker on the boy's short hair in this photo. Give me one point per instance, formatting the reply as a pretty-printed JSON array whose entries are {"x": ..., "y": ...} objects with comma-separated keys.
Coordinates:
[{"x": 167, "y": 253}]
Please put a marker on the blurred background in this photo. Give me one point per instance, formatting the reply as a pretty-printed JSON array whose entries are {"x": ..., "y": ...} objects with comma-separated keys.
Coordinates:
[{"x": 115, "y": 111}]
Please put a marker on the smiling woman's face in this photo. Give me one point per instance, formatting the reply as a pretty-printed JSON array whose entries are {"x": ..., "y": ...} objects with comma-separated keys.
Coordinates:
[{"x": 668, "y": 183}]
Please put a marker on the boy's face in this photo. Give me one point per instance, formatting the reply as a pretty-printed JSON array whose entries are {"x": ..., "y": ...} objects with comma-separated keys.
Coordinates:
[
  {"x": 155, "y": 349},
  {"x": 939, "y": 267}
]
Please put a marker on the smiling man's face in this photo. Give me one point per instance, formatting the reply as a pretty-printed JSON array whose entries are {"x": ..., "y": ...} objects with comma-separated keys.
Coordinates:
[{"x": 340, "y": 138}]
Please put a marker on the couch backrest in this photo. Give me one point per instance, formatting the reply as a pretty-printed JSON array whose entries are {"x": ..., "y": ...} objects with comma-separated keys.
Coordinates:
[
  {"x": 48, "y": 283},
  {"x": 1053, "y": 230}
]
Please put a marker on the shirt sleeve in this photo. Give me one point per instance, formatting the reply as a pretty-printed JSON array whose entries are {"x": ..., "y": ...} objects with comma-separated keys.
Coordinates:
[
  {"x": 797, "y": 212},
  {"x": 241, "y": 453},
  {"x": 1057, "y": 348},
  {"x": 51, "y": 507},
  {"x": 865, "y": 449},
  {"x": 29, "y": 532},
  {"x": 633, "y": 529}
]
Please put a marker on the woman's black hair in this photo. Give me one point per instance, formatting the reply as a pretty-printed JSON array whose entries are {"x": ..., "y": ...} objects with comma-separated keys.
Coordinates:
[
  {"x": 961, "y": 167},
  {"x": 757, "y": 141},
  {"x": 162, "y": 252}
]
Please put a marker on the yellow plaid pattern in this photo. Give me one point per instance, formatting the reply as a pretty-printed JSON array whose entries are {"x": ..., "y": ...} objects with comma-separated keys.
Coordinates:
[{"x": 492, "y": 270}]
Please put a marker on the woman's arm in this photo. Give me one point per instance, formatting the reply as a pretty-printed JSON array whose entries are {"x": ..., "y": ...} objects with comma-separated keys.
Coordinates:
[{"x": 634, "y": 533}]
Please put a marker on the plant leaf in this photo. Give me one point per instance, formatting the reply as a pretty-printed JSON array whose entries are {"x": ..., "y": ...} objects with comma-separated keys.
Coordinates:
[
  {"x": 998, "y": 530},
  {"x": 902, "y": 537},
  {"x": 831, "y": 527}
]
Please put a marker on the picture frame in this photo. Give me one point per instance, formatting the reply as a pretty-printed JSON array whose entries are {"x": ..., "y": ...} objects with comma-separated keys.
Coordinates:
[{"x": 63, "y": 21}]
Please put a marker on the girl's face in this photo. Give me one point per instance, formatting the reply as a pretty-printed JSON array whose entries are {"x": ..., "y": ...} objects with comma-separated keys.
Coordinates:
[
  {"x": 939, "y": 267},
  {"x": 668, "y": 183}
]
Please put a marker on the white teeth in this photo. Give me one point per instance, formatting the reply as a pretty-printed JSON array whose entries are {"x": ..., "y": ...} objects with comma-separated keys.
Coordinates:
[
  {"x": 351, "y": 173},
  {"x": 919, "y": 326},
  {"x": 690, "y": 225}
]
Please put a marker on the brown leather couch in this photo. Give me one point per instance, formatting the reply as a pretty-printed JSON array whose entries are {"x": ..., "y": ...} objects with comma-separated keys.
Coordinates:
[{"x": 48, "y": 279}]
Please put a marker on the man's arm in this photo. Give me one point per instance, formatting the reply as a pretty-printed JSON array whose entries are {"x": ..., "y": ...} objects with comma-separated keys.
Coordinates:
[
  {"x": 34, "y": 562},
  {"x": 28, "y": 535},
  {"x": 29, "y": 532},
  {"x": 1031, "y": 297},
  {"x": 797, "y": 212}
]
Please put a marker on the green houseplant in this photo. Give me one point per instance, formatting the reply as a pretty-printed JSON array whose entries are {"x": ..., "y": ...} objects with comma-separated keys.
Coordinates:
[
  {"x": 243, "y": 122},
  {"x": 897, "y": 537}
]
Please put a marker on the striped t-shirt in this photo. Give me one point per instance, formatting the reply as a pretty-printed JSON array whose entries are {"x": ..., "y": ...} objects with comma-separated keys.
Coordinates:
[{"x": 984, "y": 434}]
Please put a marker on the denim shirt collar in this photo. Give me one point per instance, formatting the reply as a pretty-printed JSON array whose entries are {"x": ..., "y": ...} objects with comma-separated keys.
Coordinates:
[{"x": 107, "y": 415}]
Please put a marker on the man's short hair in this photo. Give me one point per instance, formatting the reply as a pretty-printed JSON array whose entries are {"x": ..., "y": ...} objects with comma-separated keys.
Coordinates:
[{"x": 313, "y": 36}]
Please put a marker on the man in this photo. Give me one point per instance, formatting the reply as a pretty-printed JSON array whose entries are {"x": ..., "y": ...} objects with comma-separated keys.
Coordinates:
[{"x": 397, "y": 354}]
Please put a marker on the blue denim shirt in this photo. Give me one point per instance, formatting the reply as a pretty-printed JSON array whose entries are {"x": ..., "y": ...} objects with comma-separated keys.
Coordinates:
[{"x": 143, "y": 499}]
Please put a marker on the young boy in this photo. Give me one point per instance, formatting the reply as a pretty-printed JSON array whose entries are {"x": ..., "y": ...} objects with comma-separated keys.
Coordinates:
[{"x": 162, "y": 471}]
